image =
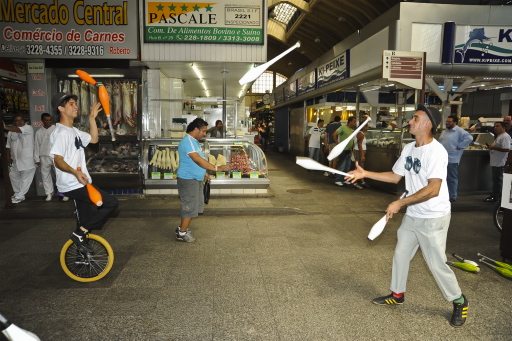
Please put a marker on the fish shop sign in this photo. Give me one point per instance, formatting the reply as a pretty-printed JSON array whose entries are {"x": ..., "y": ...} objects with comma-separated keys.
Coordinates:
[
  {"x": 67, "y": 29},
  {"x": 483, "y": 45}
]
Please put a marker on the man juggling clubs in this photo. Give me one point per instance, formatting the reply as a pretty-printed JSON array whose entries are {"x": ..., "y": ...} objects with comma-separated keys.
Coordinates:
[{"x": 423, "y": 163}]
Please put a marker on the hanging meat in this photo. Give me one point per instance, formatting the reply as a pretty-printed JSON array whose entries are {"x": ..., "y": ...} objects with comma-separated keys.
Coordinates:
[
  {"x": 67, "y": 86},
  {"x": 116, "y": 103},
  {"x": 127, "y": 105},
  {"x": 108, "y": 86},
  {"x": 84, "y": 103},
  {"x": 134, "y": 92}
]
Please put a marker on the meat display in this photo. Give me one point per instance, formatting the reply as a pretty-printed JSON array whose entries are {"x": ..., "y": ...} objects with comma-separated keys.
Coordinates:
[
  {"x": 123, "y": 158},
  {"x": 239, "y": 162}
]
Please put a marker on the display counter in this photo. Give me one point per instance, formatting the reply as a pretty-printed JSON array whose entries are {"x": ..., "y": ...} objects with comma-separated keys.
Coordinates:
[
  {"x": 384, "y": 148},
  {"x": 247, "y": 172},
  {"x": 115, "y": 165}
]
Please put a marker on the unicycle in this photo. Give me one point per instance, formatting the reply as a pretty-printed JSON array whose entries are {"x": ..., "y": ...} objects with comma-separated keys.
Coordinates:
[
  {"x": 498, "y": 216},
  {"x": 83, "y": 266}
]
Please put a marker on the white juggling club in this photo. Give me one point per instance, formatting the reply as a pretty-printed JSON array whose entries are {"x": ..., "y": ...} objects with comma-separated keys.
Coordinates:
[
  {"x": 252, "y": 74},
  {"x": 14, "y": 333},
  {"x": 341, "y": 146},
  {"x": 308, "y": 163},
  {"x": 381, "y": 224}
]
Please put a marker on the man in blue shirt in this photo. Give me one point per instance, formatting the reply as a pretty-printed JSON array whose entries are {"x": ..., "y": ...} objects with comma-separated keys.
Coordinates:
[
  {"x": 191, "y": 174},
  {"x": 454, "y": 139}
]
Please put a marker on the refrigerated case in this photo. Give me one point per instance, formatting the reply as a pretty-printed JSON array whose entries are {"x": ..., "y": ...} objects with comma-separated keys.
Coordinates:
[
  {"x": 115, "y": 165},
  {"x": 384, "y": 148},
  {"x": 247, "y": 174}
]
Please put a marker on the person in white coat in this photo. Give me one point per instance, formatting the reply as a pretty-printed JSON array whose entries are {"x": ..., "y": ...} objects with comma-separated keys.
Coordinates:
[
  {"x": 20, "y": 156},
  {"x": 42, "y": 155}
]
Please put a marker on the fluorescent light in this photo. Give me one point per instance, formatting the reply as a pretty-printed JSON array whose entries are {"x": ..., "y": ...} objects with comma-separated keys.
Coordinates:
[
  {"x": 206, "y": 99},
  {"x": 196, "y": 70},
  {"x": 198, "y": 73},
  {"x": 98, "y": 76}
]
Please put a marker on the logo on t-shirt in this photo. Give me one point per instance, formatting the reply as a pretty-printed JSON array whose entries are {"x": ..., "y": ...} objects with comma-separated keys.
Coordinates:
[
  {"x": 78, "y": 142},
  {"x": 416, "y": 165}
]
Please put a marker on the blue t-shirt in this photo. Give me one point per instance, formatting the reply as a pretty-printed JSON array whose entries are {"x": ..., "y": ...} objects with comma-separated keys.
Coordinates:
[{"x": 188, "y": 169}]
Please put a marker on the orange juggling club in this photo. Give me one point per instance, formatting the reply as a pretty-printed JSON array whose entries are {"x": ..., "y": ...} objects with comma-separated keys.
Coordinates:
[
  {"x": 94, "y": 194},
  {"x": 102, "y": 94}
]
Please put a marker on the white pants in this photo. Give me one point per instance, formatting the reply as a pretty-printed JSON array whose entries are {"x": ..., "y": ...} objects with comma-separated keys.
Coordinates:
[
  {"x": 430, "y": 235},
  {"x": 21, "y": 180},
  {"x": 47, "y": 173}
]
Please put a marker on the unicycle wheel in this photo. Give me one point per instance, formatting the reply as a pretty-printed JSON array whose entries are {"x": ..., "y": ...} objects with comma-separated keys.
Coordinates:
[{"x": 87, "y": 267}]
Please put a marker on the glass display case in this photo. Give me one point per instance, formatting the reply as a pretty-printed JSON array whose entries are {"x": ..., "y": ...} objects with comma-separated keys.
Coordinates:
[
  {"x": 384, "y": 148},
  {"x": 115, "y": 165},
  {"x": 391, "y": 139},
  {"x": 247, "y": 164}
]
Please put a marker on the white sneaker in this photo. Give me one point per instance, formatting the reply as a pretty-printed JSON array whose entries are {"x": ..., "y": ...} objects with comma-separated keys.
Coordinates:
[
  {"x": 338, "y": 183},
  {"x": 48, "y": 197},
  {"x": 65, "y": 199},
  {"x": 17, "y": 200}
]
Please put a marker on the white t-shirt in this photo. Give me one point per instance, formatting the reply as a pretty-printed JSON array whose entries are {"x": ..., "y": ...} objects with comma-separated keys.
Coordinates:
[
  {"x": 65, "y": 141},
  {"x": 418, "y": 164},
  {"x": 314, "y": 139},
  {"x": 22, "y": 147},
  {"x": 498, "y": 158},
  {"x": 42, "y": 142}
]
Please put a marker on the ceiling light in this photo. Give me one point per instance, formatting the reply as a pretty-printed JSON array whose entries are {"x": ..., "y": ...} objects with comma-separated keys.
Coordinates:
[
  {"x": 303, "y": 52},
  {"x": 196, "y": 70},
  {"x": 98, "y": 76},
  {"x": 289, "y": 63},
  {"x": 342, "y": 19},
  {"x": 317, "y": 40}
]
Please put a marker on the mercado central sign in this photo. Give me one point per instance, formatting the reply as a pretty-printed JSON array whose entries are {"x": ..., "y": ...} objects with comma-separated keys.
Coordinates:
[
  {"x": 225, "y": 22},
  {"x": 53, "y": 29}
]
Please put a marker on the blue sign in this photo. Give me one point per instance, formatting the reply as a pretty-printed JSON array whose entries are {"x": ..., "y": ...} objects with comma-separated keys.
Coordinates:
[
  {"x": 483, "y": 45},
  {"x": 334, "y": 70}
]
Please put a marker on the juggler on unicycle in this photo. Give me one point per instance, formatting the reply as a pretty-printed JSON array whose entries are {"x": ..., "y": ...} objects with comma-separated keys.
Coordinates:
[{"x": 85, "y": 257}]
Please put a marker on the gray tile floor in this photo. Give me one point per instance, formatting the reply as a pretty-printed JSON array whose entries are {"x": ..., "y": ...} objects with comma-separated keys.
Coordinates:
[{"x": 284, "y": 266}]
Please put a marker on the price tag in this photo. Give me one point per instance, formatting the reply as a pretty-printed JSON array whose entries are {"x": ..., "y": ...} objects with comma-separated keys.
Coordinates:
[
  {"x": 237, "y": 175},
  {"x": 168, "y": 176},
  {"x": 155, "y": 175},
  {"x": 175, "y": 142},
  {"x": 254, "y": 175},
  {"x": 220, "y": 175},
  {"x": 238, "y": 143}
]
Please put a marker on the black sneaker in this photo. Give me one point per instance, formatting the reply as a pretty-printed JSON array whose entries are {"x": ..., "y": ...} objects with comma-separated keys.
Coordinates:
[
  {"x": 81, "y": 242},
  {"x": 460, "y": 313},
  {"x": 388, "y": 300}
]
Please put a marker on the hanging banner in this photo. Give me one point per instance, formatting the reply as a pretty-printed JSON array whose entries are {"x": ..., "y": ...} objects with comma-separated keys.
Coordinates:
[
  {"x": 67, "y": 29},
  {"x": 290, "y": 90},
  {"x": 334, "y": 70},
  {"x": 278, "y": 95},
  {"x": 306, "y": 83},
  {"x": 483, "y": 45},
  {"x": 222, "y": 22}
]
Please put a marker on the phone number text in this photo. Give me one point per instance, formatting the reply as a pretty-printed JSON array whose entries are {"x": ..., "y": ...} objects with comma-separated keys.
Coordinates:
[{"x": 59, "y": 50}]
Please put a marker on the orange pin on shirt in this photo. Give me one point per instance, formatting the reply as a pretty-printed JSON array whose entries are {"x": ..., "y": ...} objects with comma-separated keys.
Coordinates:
[{"x": 94, "y": 194}]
